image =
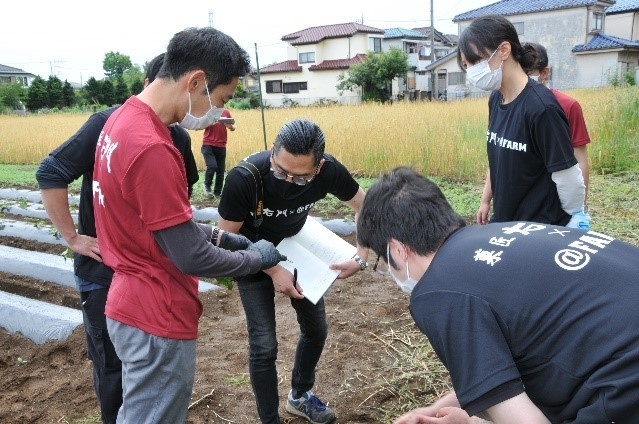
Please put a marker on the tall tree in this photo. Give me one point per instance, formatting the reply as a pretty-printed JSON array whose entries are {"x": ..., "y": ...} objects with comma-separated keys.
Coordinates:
[
  {"x": 137, "y": 86},
  {"x": 93, "y": 91},
  {"x": 68, "y": 94},
  {"x": 54, "y": 91},
  {"x": 115, "y": 64},
  {"x": 132, "y": 75},
  {"x": 37, "y": 97},
  {"x": 375, "y": 74},
  {"x": 108, "y": 93},
  {"x": 121, "y": 91}
]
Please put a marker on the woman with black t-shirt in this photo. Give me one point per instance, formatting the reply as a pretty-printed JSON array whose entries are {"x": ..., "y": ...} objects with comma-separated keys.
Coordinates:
[{"x": 533, "y": 174}]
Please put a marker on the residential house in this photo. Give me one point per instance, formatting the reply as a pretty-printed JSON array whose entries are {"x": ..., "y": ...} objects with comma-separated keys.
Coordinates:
[
  {"x": 449, "y": 79},
  {"x": 316, "y": 57},
  {"x": 416, "y": 43},
  {"x": 622, "y": 22},
  {"x": 622, "y": 19},
  {"x": 250, "y": 82},
  {"x": 607, "y": 60},
  {"x": 11, "y": 75},
  {"x": 574, "y": 33}
]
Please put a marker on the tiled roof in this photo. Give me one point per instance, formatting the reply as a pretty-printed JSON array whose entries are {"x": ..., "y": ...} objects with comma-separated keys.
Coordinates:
[
  {"x": 403, "y": 33},
  {"x": 606, "y": 42},
  {"x": 518, "y": 7},
  {"x": 454, "y": 38},
  {"x": 438, "y": 36},
  {"x": 436, "y": 63},
  {"x": 316, "y": 34},
  {"x": 338, "y": 63},
  {"x": 4, "y": 69},
  {"x": 623, "y": 6},
  {"x": 287, "y": 66}
]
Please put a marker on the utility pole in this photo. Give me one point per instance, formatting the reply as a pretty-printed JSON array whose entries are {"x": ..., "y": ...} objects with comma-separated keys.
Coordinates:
[
  {"x": 211, "y": 18},
  {"x": 432, "y": 50},
  {"x": 259, "y": 85}
]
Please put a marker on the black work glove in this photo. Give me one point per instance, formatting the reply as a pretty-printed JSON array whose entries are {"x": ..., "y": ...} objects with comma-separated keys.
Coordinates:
[
  {"x": 234, "y": 242},
  {"x": 268, "y": 252}
]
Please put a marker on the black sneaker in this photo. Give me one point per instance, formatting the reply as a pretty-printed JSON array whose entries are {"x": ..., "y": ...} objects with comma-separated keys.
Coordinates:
[
  {"x": 310, "y": 407},
  {"x": 208, "y": 192}
]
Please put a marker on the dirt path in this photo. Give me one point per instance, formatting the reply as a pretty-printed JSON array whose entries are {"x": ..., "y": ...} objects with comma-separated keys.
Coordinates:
[{"x": 52, "y": 383}]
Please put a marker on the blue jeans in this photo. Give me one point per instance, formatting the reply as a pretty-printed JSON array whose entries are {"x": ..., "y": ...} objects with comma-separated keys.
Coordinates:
[
  {"x": 258, "y": 299},
  {"x": 215, "y": 159},
  {"x": 107, "y": 367}
]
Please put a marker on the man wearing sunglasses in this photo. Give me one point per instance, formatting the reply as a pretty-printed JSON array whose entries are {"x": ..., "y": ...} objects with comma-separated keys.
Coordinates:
[{"x": 295, "y": 174}]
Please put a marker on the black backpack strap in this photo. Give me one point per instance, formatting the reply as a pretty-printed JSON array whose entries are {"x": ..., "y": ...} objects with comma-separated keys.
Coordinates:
[{"x": 259, "y": 191}]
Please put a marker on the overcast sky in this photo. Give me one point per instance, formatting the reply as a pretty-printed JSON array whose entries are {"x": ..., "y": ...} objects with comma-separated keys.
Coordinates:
[{"x": 70, "y": 38}]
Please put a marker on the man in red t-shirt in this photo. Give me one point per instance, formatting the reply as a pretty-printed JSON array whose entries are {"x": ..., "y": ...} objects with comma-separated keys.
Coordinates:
[
  {"x": 145, "y": 229},
  {"x": 214, "y": 152}
]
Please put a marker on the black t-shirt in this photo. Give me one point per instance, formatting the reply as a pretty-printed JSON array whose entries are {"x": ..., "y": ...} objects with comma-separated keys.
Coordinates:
[
  {"x": 75, "y": 158},
  {"x": 286, "y": 205},
  {"x": 554, "y": 307},
  {"x": 527, "y": 140}
]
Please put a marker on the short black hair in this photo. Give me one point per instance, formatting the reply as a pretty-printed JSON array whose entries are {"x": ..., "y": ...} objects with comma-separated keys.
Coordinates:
[
  {"x": 301, "y": 137},
  {"x": 206, "y": 49},
  {"x": 408, "y": 207}
]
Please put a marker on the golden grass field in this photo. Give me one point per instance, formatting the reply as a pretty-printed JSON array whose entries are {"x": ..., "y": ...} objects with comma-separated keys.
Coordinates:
[{"x": 436, "y": 138}]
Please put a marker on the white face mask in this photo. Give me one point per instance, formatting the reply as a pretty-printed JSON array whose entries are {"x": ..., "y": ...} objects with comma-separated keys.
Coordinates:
[
  {"x": 407, "y": 285},
  {"x": 481, "y": 76},
  {"x": 534, "y": 77},
  {"x": 190, "y": 122}
]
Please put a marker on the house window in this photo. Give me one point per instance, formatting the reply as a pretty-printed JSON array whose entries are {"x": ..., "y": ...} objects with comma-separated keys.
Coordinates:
[
  {"x": 440, "y": 52},
  {"x": 424, "y": 53},
  {"x": 5, "y": 80},
  {"x": 376, "y": 44},
  {"x": 308, "y": 57},
  {"x": 274, "y": 86},
  {"x": 410, "y": 47},
  {"x": 596, "y": 23},
  {"x": 519, "y": 26},
  {"x": 456, "y": 78},
  {"x": 294, "y": 87}
]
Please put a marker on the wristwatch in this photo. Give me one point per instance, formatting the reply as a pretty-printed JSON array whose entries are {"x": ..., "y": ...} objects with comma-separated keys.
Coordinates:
[{"x": 362, "y": 264}]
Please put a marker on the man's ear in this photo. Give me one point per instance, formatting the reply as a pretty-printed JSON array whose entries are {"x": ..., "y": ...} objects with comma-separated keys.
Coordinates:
[
  {"x": 398, "y": 250},
  {"x": 319, "y": 168},
  {"x": 196, "y": 81}
]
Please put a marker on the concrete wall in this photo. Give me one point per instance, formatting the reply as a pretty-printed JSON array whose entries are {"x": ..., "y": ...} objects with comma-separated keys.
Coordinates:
[
  {"x": 623, "y": 25},
  {"x": 595, "y": 69},
  {"x": 559, "y": 32}
]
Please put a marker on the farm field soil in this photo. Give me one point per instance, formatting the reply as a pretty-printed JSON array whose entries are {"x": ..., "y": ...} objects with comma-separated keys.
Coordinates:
[{"x": 52, "y": 382}]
